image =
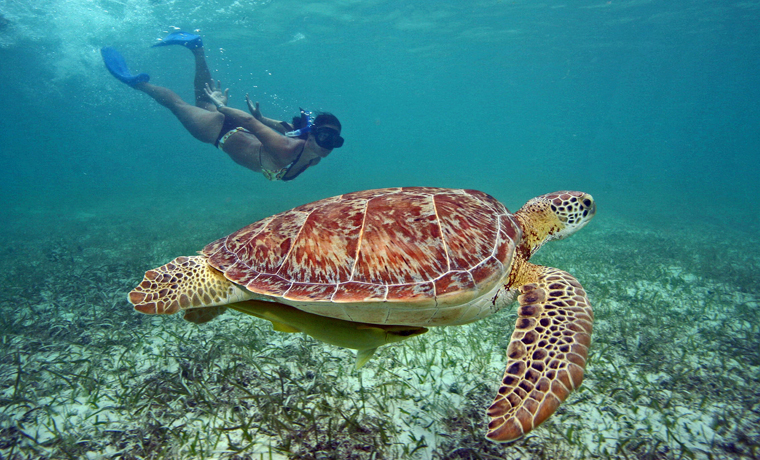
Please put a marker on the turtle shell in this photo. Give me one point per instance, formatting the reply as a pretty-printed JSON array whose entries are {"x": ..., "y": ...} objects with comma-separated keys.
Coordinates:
[{"x": 406, "y": 256}]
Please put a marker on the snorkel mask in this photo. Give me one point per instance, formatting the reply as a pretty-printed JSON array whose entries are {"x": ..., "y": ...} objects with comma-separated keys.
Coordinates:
[
  {"x": 307, "y": 121},
  {"x": 325, "y": 136}
]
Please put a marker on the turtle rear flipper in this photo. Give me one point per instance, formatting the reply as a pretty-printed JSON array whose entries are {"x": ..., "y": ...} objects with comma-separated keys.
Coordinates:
[
  {"x": 184, "y": 283},
  {"x": 546, "y": 356},
  {"x": 204, "y": 314}
]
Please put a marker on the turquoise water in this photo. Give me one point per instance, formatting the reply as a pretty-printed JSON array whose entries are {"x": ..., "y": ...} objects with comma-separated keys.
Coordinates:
[{"x": 652, "y": 107}]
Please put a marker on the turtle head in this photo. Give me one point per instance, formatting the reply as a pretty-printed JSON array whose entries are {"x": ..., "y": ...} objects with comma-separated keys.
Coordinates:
[{"x": 554, "y": 216}]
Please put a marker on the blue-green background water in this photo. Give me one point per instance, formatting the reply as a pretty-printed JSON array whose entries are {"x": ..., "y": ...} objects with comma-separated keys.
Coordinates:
[{"x": 650, "y": 106}]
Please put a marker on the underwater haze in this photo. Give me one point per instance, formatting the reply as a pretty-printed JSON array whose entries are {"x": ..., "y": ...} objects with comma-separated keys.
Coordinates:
[{"x": 652, "y": 107}]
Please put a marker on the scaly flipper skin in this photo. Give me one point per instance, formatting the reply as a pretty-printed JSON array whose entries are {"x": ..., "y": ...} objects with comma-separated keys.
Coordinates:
[
  {"x": 185, "y": 282},
  {"x": 547, "y": 354}
]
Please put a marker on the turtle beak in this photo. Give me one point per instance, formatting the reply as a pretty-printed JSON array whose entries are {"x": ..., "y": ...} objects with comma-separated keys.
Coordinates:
[
  {"x": 573, "y": 210},
  {"x": 580, "y": 212},
  {"x": 588, "y": 205}
]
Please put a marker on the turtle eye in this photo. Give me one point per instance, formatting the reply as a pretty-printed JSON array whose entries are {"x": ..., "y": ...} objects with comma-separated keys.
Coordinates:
[{"x": 587, "y": 203}]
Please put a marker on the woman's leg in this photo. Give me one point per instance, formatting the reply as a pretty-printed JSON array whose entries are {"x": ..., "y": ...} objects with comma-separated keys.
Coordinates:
[
  {"x": 202, "y": 78},
  {"x": 203, "y": 124}
]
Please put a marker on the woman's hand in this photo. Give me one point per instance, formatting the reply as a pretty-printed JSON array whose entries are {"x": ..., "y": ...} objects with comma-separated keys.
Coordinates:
[
  {"x": 217, "y": 97},
  {"x": 254, "y": 109}
]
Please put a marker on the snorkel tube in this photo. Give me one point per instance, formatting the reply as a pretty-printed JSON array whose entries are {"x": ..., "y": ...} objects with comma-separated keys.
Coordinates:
[{"x": 306, "y": 117}]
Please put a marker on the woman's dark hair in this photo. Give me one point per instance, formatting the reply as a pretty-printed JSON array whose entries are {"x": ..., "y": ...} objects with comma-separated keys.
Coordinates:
[
  {"x": 324, "y": 118},
  {"x": 297, "y": 122}
]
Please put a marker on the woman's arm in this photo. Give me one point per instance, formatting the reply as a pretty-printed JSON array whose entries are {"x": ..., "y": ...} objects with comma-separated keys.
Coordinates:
[
  {"x": 276, "y": 125},
  {"x": 272, "y": 140}
]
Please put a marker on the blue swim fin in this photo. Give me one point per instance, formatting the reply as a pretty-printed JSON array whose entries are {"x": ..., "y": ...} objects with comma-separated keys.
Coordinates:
[
  {"x": 189, "y": 41},
  {"x": 116, "y": 64}
]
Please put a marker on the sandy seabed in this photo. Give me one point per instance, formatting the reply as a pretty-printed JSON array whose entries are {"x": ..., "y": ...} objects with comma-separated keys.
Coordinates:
[{"x": 673, "y": 370}]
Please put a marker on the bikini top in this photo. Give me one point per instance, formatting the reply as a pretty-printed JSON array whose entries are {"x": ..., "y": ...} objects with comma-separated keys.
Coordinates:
[{"x": 283, "y": 174}]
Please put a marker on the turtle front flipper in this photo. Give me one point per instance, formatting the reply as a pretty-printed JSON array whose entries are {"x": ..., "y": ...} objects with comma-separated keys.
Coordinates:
[
  {"x": 184, "y": 283},
  {"x": 546, "y": 356}
]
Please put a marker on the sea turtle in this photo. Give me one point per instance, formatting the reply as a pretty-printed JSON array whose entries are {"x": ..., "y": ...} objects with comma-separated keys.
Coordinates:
[{"x": 381, "y": 265}]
